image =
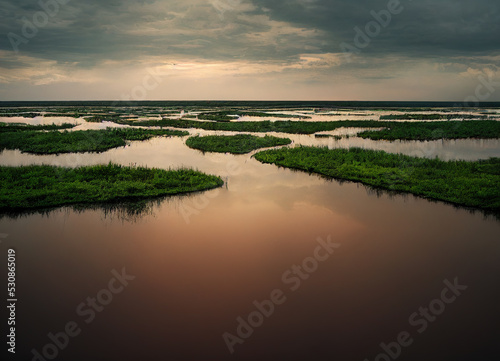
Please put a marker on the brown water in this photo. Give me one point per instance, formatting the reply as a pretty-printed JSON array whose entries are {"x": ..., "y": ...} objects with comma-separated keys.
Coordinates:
[{"x": 200, "y": 262}]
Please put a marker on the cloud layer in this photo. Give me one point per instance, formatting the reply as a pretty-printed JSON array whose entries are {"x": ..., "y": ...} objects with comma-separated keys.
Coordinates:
[{"x": 249, "y": 49}]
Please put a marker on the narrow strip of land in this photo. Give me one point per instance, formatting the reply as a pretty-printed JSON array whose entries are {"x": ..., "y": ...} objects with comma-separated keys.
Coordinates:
[
  {"x": 394, "y": 130},
  {"x": 483, "y": 129},
  {"x": 435, "y": 116},
  {"x": 20, "y": 127}
]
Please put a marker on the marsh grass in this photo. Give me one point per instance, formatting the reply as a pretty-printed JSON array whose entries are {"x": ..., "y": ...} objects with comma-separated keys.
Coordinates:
[
  {"x": 230, "y": 115},
  {"x": 435, "y": 130},
  {"x": 20, "y": 114},
  {"x": 20, "y": 127},
  {"x": 395, "y": 130},
  {"x": 235, "y": 144},
  {"x": 38, "y": 187},
  {"x": 99, "y": 118},
  {"x": 436, "y": 116},
  {"x": 471, "y": 184},
  {"x": 55, "y": 142}
]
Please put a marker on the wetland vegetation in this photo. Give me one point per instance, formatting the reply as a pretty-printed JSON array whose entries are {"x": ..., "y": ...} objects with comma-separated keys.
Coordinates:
[
  {"x": 483, "y": 129},
  {"x": 235, "y": 144},
  {"x": 436, "y": 116},
  {"x": 395, "y": 130},
  {"x": 472, "y": 184},
  {"x": 229, "y": 115},
  {"x": 35, "y": 186},
  {"x": 55, "y": 142},
  {"x": 20, "y": 127}
]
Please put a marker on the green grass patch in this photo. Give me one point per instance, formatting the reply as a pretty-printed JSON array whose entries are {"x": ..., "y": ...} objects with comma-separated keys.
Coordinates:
[
  {"x": 436, "y": 130},
  {"x": 32, "y": 187},
  {"x": 229, "y": 115},
  {"x": 78, "y": 141},
  {"x": 20, "y": 114},
  {"x": 223, "y": 116},
  {"x": 273, "y": 115},
  {"x": 471, "y": 184},
  {"x": 290, "y": 127},
  {"x": 397, "y": 130},
  {"x": 437, "y": 116},
  {"x": 20, "y": 127},
  {"x": 99, "y": 118},
  {"x": 236, "y": 144}
]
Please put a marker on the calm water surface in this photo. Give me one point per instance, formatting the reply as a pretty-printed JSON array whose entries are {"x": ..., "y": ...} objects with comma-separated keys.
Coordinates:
[{"x": 200, "y": 262}]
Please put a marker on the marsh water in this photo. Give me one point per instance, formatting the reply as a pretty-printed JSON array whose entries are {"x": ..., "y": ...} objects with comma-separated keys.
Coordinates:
[{"x": 199, "y": 264}]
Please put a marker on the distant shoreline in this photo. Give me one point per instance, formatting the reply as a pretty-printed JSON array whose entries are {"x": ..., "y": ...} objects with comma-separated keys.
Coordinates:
[{"x": 259, "y": 103}]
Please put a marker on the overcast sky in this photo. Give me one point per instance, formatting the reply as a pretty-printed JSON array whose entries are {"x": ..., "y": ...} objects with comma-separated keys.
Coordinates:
[{"x": 250, "y": 50}]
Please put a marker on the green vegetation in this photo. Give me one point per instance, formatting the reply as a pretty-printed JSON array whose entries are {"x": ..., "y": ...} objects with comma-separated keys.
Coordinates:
[
  {"x": 98, "y": 118},
  {"x": 336, "y": 137},
  {"x": 397, "y": 130},
  {"x": 228, "y": 115},
  {"x": 291, "y": 127},
  {"x": 68, "y": 115},
  {"x": 236, "y": 144},
  {"x": 20, "y": 114},
  {"x": 223, "y": 116},
  {"x": 472, "y": 184},
  {"x": 78, "y": 141},
  {"x": 438, "y": 116},
  {"x": 32, "y": 187},
  {"x": 273, "y": 115},
  {"x": 20, "y": 127},
  {"x": 436, "y": 130}
]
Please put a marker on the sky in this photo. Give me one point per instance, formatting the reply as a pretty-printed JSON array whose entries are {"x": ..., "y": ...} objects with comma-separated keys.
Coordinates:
[{"x": 442, "y": 50}]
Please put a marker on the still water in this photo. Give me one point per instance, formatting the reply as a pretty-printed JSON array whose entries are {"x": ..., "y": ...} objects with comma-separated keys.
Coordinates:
[{"x": 195, "y": 268}]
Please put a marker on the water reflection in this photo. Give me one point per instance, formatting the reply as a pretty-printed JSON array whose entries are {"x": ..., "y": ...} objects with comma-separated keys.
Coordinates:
[
  {"x": 194, "y": 279},
  {"x": 201, "y": 260},
  {"x": 239, "y": 171},
  {"x": 123, "y": 211}
]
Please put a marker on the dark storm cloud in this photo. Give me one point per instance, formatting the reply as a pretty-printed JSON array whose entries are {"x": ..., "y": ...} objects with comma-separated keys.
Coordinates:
[
  {"x": 423, "y": 28},
  {"x": 87, "y": 32},
  {"x": 90, "y": 31},
  {"x": 78, "y": 30}
]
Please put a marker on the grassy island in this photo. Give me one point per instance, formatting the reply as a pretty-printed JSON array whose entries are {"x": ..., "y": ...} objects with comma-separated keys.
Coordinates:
[
  {"x": 483, "y": 129},
  {"x": 472, "y": 184},
  {"x": 230, "y": 115},
  {"x": 437, "y": 116},
  {"x": 394, "y": 130},
  {"x": 20, "y": 127},
  {"x": 78, "y": 141},
  {"x": 236, "y": 144},
  {"x": 32, "y": 187}
]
